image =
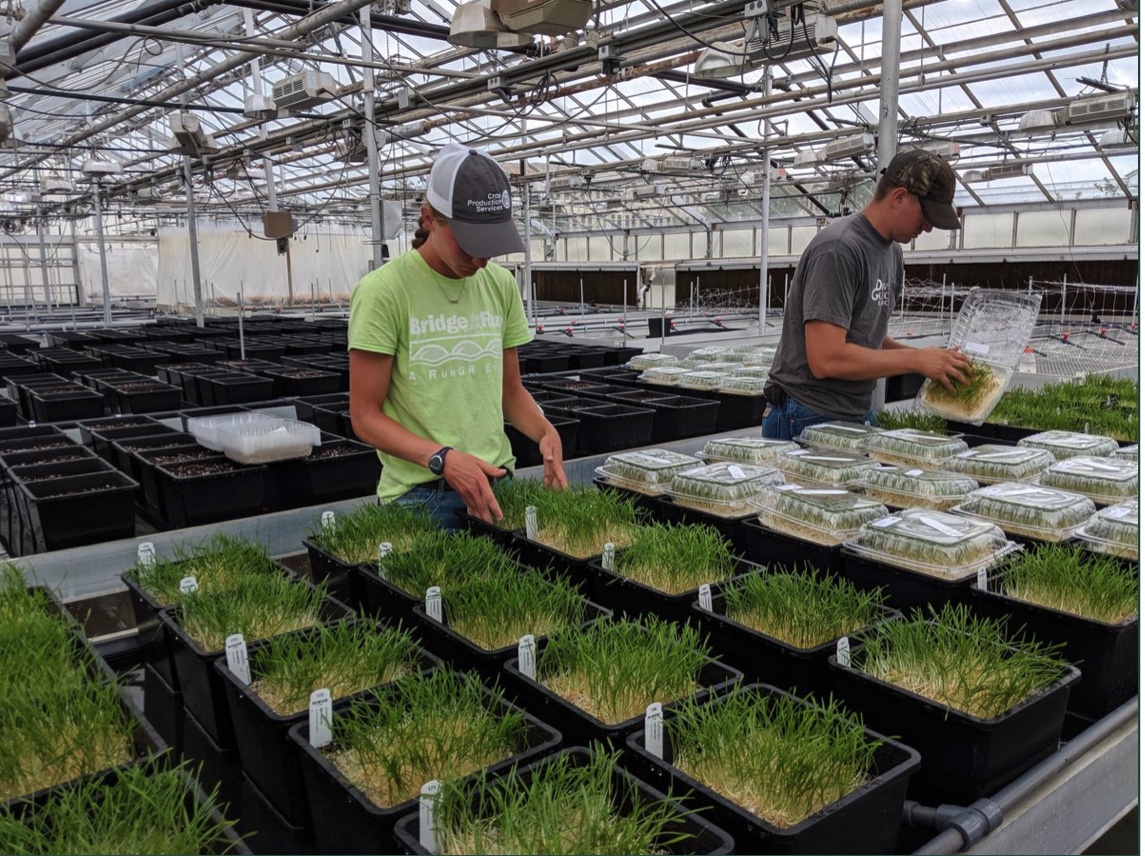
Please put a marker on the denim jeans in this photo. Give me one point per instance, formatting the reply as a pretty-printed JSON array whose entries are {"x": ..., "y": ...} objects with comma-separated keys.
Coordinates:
[
  {"x": 444, "y": 504},
  {"x": 787, "y": 421}
]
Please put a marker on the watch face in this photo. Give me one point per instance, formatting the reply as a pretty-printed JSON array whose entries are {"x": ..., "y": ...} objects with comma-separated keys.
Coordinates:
[{"x": 436, "y": 464}]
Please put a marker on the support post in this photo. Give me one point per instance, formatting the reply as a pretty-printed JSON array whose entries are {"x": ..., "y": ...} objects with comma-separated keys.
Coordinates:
[
  {"x": 98, "y": 192},
  {"x": 193, "y": 237},
  {"x": 371, "y": 139},
  {"x": 765, "y": 217}
]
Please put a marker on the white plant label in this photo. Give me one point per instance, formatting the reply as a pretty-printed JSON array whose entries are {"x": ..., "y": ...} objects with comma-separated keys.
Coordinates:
[
  {"x": 188, "y": 585},
  {"x": 831, "y": 460},
  {"x": 1091, "y": 464},
  {"x": 608, "y": 557},
  {"x": 843, "y": 652},
  {"x": 384, "y": 549},
  {"x": 825, "y": 491},
  {"x": 1120, "y": 513},
  {"x": 976, "y": 348},
  {"x": 736, "y": 472},
  {"x": 145, "y": 555},
  {"x": 236, "y": 657},
  {"x": 885, "y": 522},
  {"x": 706, "y": 597},
  {"x": 427, "y": 822},
  {"x": 788, "y": 487},
  {"x": 982, "y": 579},
  {"x": 939, "y": 526},
  {"x": 328, "y": 522},
  {"x": 913, "y": 473},
  {"x": 654, "y": 729},
  {"x": 798, "y": 452},
  {"x": 847, "y": 428},
  {"x": 433, "y": 603},
  {"x": 321, "y": 717},
  {"x": 527, "y": 656},
  {"x": 531, "y": 522}
]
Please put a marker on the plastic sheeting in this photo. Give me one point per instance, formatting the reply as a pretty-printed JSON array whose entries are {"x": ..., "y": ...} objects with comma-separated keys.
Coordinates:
[
  {"x": 131, "y": 269},
  {"x": 325, "y": 264}
]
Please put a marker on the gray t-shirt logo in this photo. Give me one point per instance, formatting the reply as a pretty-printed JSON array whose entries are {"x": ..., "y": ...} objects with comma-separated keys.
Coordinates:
[{"x": 881, "y": 293}]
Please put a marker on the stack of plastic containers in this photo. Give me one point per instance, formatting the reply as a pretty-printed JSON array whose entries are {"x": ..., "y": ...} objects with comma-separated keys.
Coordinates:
[
  {"x": 913, "y": 448},
  {"x": 913, "y": 487},
  {"x": 990, "y": 463},
  {"x": 1029, "y": 511},
  {"x": 648, "y": 471},
  {"x": 1070, "y": 444},
  {"x": 1106, "y": 481}
]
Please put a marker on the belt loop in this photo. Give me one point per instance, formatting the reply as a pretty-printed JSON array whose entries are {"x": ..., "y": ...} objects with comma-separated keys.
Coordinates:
[{"x": 441, "y": 486}]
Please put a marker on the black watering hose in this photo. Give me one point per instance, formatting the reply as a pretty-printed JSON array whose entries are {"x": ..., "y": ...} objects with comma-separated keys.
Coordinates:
[{"x": 963, "y": 827}]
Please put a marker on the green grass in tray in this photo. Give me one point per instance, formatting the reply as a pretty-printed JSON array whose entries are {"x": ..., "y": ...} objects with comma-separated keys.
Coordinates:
[
  {"x": 563, "y": 809},
  {"x": 514, "y": 496},
  {"x": 435, "y": 726},
  {"x": 615, "y": 669},
  {"x": 1098, "y": 404},
  {"x": 259, "y": 608},
  {"x": 919, "y": 419},
  {"x": 676, "y": 559},
  {"x": 960, "y": 661},
  {"x": 581, "y": 520},
  {"x": 143, "y": 811},
  {"x": 496, "y": 611},
  {"x": 218, "y": 564},
  {"x": 1071, "y": 580},
  {"x": 801, "y": 608},
  {"x": 969, "y": 399},
  {"x": 776, "y": 756},
  {"x": 445, "y": 559},
  {"x": 345, "y": 658},
  {"x": 355, "y": 537}
]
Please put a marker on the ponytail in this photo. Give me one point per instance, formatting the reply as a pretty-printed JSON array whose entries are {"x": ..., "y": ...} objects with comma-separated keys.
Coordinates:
[{"x": 422, "y": 234}]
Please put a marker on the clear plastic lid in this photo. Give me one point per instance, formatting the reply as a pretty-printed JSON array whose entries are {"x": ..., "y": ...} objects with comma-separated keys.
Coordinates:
[
  {"x": 912, "y": 446},
  {"x": 711, "y": 353},
  {"x": 743, "y": 385},
  {"x": 256, "y": 438},
  {"x": 1127, "y": 453},
  {"x": 827, "y": 469},
  {"x": 1115, "y": 530},
  {"x": 972, "y": 402},
  {"x": 752, "y": 371},
  {"x": 648, "y": 471},
  {"x": 725, "y": 366},
  {"x": 667, "y": 375},
  {"x": 1070, "y": 444},
  {"x": 914, "y": 487},
  {"x": 754, "y": 354},
  {"x": 932, "y": 542},
  {"x": 837, "y": 435},
  {"x": 1104, "y": 480},
  {"x": 995, "y": 325},
  {"x": 1031, "y": 511},
  {"x": 726, "y": 489},
  {"x": 701, "y": 379},
  {"x": 993, "y": 463},
  {"x": 751, "y": 450},
  {"x": 827, "y": 516},
  {"x": 647, "y": 361}
]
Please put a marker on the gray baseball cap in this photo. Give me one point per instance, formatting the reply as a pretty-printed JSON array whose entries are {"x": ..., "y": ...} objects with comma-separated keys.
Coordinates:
[
  {"x": 472, "y": 191},
  {"x": 932, "y": 180}
]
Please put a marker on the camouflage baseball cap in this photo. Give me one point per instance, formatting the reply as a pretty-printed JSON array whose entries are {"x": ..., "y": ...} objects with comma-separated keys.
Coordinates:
[{"x": 931, "y": 179}]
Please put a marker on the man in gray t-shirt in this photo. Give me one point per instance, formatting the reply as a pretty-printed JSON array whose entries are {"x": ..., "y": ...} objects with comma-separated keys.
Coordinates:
[{"x": 834, "y": 344}]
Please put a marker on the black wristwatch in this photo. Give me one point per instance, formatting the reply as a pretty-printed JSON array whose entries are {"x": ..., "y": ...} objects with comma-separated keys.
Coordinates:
[{"x": 437, "y": 460}]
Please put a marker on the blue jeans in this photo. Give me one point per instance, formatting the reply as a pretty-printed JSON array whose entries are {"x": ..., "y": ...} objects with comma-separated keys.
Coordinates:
[
  {"x": 445, "y": 505},
  {"x": 787, "y": 421}
]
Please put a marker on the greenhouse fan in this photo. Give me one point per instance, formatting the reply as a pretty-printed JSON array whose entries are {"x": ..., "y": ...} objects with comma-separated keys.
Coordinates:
[{"x": 476, "y": 25}]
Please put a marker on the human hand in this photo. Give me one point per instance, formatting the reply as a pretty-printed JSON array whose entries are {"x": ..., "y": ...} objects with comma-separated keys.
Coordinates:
[
  {"x": 469, "y": 476},
  {"x": 552, "y": 454},
  {"x": 948, "y": 366}
]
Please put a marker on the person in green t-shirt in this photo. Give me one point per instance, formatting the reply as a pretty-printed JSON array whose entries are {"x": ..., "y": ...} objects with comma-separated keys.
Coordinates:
[{"x": 433, "y": 349}]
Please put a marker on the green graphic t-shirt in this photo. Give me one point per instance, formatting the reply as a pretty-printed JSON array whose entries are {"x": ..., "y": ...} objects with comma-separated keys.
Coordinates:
[{"x": 446, "y": 381}]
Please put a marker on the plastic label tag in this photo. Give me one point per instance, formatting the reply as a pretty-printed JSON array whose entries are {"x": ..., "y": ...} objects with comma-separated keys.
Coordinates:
[
  {"x": 976, "y": 348},
  {"x": 433, "y": 603},
  {"x": 1095, "y": 465},
  {"x": 654, "y": 729},
  {"x": 797, "y": 452},
  {"x": 736, "y": 473},
  {"x": 884, "y": 522},
  {"x": 608, "y": 557},
  {"x": 384, "y": 549},
  {"x": 913, "y": 473},
  {"x": 527, "y": 656},
  {"x": 188, "y": 585},
  {"x": 831, "y": 460},
  {"x": 823, "y": 491},
  {"x": 1003, "y": 456},
  {"x": 843, "y": 652},
  {"x": 982, "y": 579},
  {"x": 1120, "y": 513},
  {"x": 788, "y": 487},
  {"x": 328, "y": 522},
  {"x": 145, "y": 555},
  {"x": 939, "y": 526},
  {"x": 531, "y": 522},
  {"x": 236, "y": 658},
  {"x": 427, "y": 823},
  {"x": 850, "y": 428},
  {"x": 321, "y": 716},
  {"x": 706, "y": 597}
]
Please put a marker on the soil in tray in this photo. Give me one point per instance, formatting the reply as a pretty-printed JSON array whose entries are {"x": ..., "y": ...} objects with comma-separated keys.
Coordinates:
[
  {"x": 58, "y": 444},
  {"x": 333, "y": 451},
  {"x": 183, "y": 457},
  {"x": 189, "y": 471}
]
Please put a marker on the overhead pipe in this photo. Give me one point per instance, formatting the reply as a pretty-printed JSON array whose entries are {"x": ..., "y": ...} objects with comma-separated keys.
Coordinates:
[{"x": 36, "y": 17}]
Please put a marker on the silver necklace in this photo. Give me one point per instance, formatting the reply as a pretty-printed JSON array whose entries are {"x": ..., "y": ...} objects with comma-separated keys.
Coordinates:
[{"x": 445, "y": 294}]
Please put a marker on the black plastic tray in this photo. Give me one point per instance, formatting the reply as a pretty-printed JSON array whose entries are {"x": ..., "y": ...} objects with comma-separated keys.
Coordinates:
[
  {"x": 609, "y": 427},
  {"x": 905, "y": 589},
  {"x": 777, "y": 549}
]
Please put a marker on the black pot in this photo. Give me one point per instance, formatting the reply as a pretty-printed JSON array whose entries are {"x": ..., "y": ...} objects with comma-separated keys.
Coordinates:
[
  {"x": 78, "y": 510},
  {"x": 610, "y": 427},
  {"x": 628, "y": 597},
  {"x": 777, "y": 549},
  {"x": 333, "y": 471},
  {"x": 528, "y": 453},
  {"x": 163, "y": 707},
  {"x": 905, "y": 589},
  {"x": 697, "y": 834},
  {"x": 192, "y": 498},
  {"x": 864, "y": 821},
  {"x": 266, "y": 828},
  {"x": 66, "y": 406}
]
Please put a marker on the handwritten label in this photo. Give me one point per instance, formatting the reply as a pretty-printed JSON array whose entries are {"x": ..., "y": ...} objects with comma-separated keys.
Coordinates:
[
  {"x": 736, "y": 473},
  {"x": 531, "y": 522},
  {"x": 237, "y": 659},
  {"x": 938, "y": 526},
  {"x": 321, "y": 717},
  {"x": 976, "y": 348},
  {"x": 145, "y": 555},
  {"x": 843, "y": 652},
  {"x": 433, "y": 603},
  {"x": 188, "y": 585},
  {"x": 328, "y": 522},
  {"x": 654, "y": 729},
  {"x": 982, "y": 579},
  {"x": 884, "y": 522},
  {"x": 706, "y": 597},
  {"x": 527, "y": 656},
  {"x": 427, "y": 822}
]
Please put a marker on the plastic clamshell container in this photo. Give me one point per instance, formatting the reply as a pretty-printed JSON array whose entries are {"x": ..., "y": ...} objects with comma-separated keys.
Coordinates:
[
  {"x": 1029, "y": 511},
  {"x": 991, "y": 463},
  {"x": 702, "y": 379},
  {"x": 751, "y": 354},
  {"x": 713, "y": 353},
  {"x": 993, "y": 328},
  {"x": 646, "y": 361},
  {"x": 666, "y": 375},
  {"x": 749, "y": 450},
  {"x": 724, "y": 489},
  {"x": 648, "y": 471},
  {"x": 1115, "y": 530},
  {"x": 1127, "y": 453},
  {"x": 253, "y": 438},
  {"x": 852, "y": 436},
  {"x": 723, "y": 366},
  {"x": 815, "y": 469},
  {"x": 914, "y": 487},
  {"x": 739, "y": 385},
  {"x": 932, "y": 542},
  {"x": 752, "y": 371},
  {"x": 1070, "y": 444},
  {"x": 1106, "y": 481},
  {"x": 205, "y": 429},
  {"x": 910, "y": 446},
  {"x": 827, "y": 516}
]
